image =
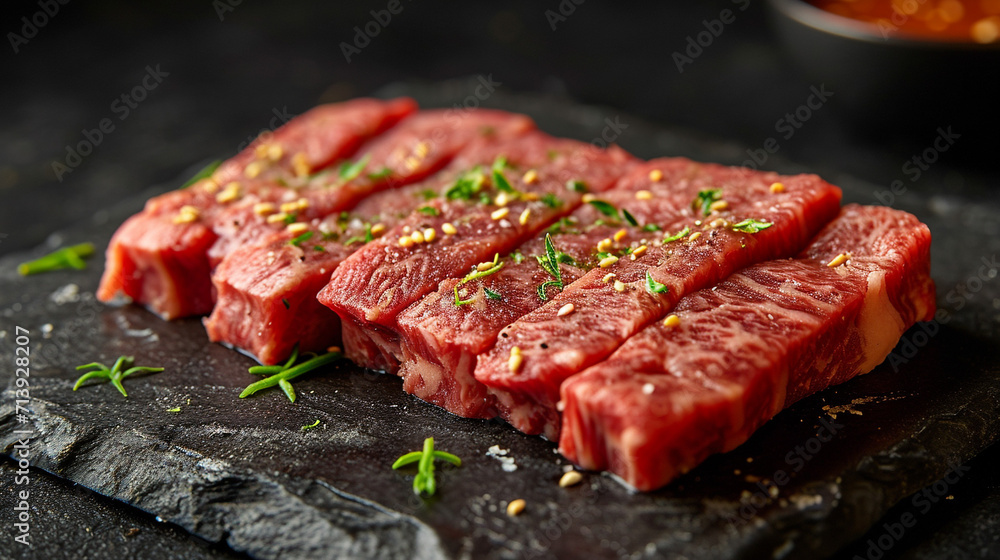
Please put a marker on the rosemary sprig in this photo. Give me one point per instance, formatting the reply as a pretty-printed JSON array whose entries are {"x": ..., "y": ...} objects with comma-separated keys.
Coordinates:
[
  {"x": 424, "y": 481},
  {"x": 205, "y": 173},
  {"x": 282, "y": 375},
  {"x": 705, "y": 199},
  {"x": 114, "y": 374},
  {"x": 550, "y": 263},
  {"x": 67, "y": 257},
  {"x": 475, "y": 275}
]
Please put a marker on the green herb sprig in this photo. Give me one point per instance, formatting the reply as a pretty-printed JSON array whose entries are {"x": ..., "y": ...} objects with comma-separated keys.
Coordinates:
[
  {"x": 705, "y": 199},
  {"x": 282, "y": 375},
  {"x": 655, "y": 287},
  {"x": 751, "y": 225},
  {"x": 349, "y": 170},
  {"x": 475, "y": 275},
  {"x": 67, "y": 257},
  {"x": 550, "y": 264},
  {"x": 680, "y": 234},
  {"x": 298, "y": 240},
  {"x": 308, "y": 427},
  {"x": 115, "y": 374},
  {"x": 205, "y": 173},
  {"x": 424, "y": 481}
]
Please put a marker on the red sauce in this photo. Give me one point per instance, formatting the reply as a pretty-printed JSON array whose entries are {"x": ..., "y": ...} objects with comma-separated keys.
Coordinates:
[{"x": 945, "y": 20}]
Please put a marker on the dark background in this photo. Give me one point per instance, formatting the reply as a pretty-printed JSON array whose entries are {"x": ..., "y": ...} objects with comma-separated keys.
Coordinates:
[{"x": 231, "y": 68}]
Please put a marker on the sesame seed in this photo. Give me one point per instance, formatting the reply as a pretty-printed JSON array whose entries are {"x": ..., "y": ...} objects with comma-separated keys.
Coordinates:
[
  {"x": 620, "y": 234},
  {"x": 407, "y": 229},
  {"x": 619, "y": 286},
  {"x": 640, "y": 251},
  {"x": 297, "y": 228},
  {"x": 411, "y": 163},
  {"x": 500, "y": 214},
  {"x": 422, "y": 149},
  {"x": 274, "y": 152},
  {"x": 565, "y": 310},
  {"x": 210, "y": 186},
  {"x": 694, "y": 236},
  {"x": 523, "y": 219},
  {"x": 515, "y": 360},
  {"x": 229, "y": 194},
  {"x": 608, "y": 261},
  {"x": 429, "y": 234},
  {"x": 300, "y": 165},
  {"x": 260, "y": 151},
  {"x": 485, "y": 265},
  {"x": 530, "y": 196},
  {"x": 263, "y": 208},
  {"x": 718, "y": 206},
  {"x": 643, "y": 195},
  {"x": 607, "y": 277},
  {"x": 186, "y": 215},
  {"x": 655, "y": 175},
  {"x": 570, "y": 478},
  {"x": 417, "y": 236},
  {"x": 560, "y": 406},
  {"x": 502, "y": 199},
  {"x": 672, "y": 321},
  {"x": 333, "y": 349},
  {"x": 839, "y": 260},
  {"x": 718, "y": 222},
  {"x": 289, "y": 207},
  {"x": 777, "y": 187},
  {"x": 405, "y": 241},
  {"x": 530, "y": 177},
  {"x": 448, "y": 229},
  {"x": 647, "y": 389},
  {"x": 588, "y": 198},
  {"x": 378, "y": 229},
  {"x": 275, "y": 218},
  {"x": 604, "y": 244},
  {"x": 253, "y": 169},
  {"x": 516, "y": 507}
]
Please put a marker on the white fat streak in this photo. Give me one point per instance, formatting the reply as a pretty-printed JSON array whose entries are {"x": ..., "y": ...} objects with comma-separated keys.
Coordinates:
[{"x": 879, "y": 323}]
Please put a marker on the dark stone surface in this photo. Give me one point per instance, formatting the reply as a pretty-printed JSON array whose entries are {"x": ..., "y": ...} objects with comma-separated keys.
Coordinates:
[{"x": 242, "y": 472}]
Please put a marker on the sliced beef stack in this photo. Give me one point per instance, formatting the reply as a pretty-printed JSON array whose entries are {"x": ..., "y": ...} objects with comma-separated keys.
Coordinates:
[{"x": 645, "y": 314}]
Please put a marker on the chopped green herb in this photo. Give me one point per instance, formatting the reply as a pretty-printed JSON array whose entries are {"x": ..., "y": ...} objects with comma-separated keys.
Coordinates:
[
  {"x": 380, "y": 174},
  {"x": 576, "y": 185},
  {"x": 466, "y": 186},
  {"x": 297, "y": 241},
  {"x": 550, "y": 264},
  {"x": 751, "y": 225},
  {"x": 492, "y": 295},
  {"x": 308, "y": 427},
  {"x": 499, "y": 164},
  {"x": 281, "y": 375},
  {"x": 650, "y": 227},
  {"x": 290, "y": 219},
  {"x": 629, "y": 218},
  {"x": 562, "y": 225},
  {"x": 428, "y": 194},
  {"x": 205, "y": 173},
  {"x": 349, "y": 171},
  {"x": 366, "y": 238},
  {"x": 680, "y": 234},
  {"x": 655, "y": 287},
  {"x": 285, "y": 302},
  {"x": 330, "y": 235},
  {"x": 429, "y": 211},
  {"x": 424, "y": 481},
  {"x": 475, "y": 275},
  {"x": 605, "y": 208},
  {"x": 318, "y": 248},
  {"x": 552, "y": 154},
  {"x": 114, "y": 374},
  {"x": 705, "y": 199},
  {"x": 551, "y": 200},
  {"x": 517, "y": 257},
  {"x": 174, "y": 409},
  {"x": 67, "y": 257}
]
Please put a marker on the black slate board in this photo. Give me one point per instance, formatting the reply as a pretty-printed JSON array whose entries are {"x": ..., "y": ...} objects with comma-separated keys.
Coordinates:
[{"x": 243, "y": 473}]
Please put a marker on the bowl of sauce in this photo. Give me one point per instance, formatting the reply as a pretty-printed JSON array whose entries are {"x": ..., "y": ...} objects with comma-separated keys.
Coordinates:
[{"x": 900, "y": 66}]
